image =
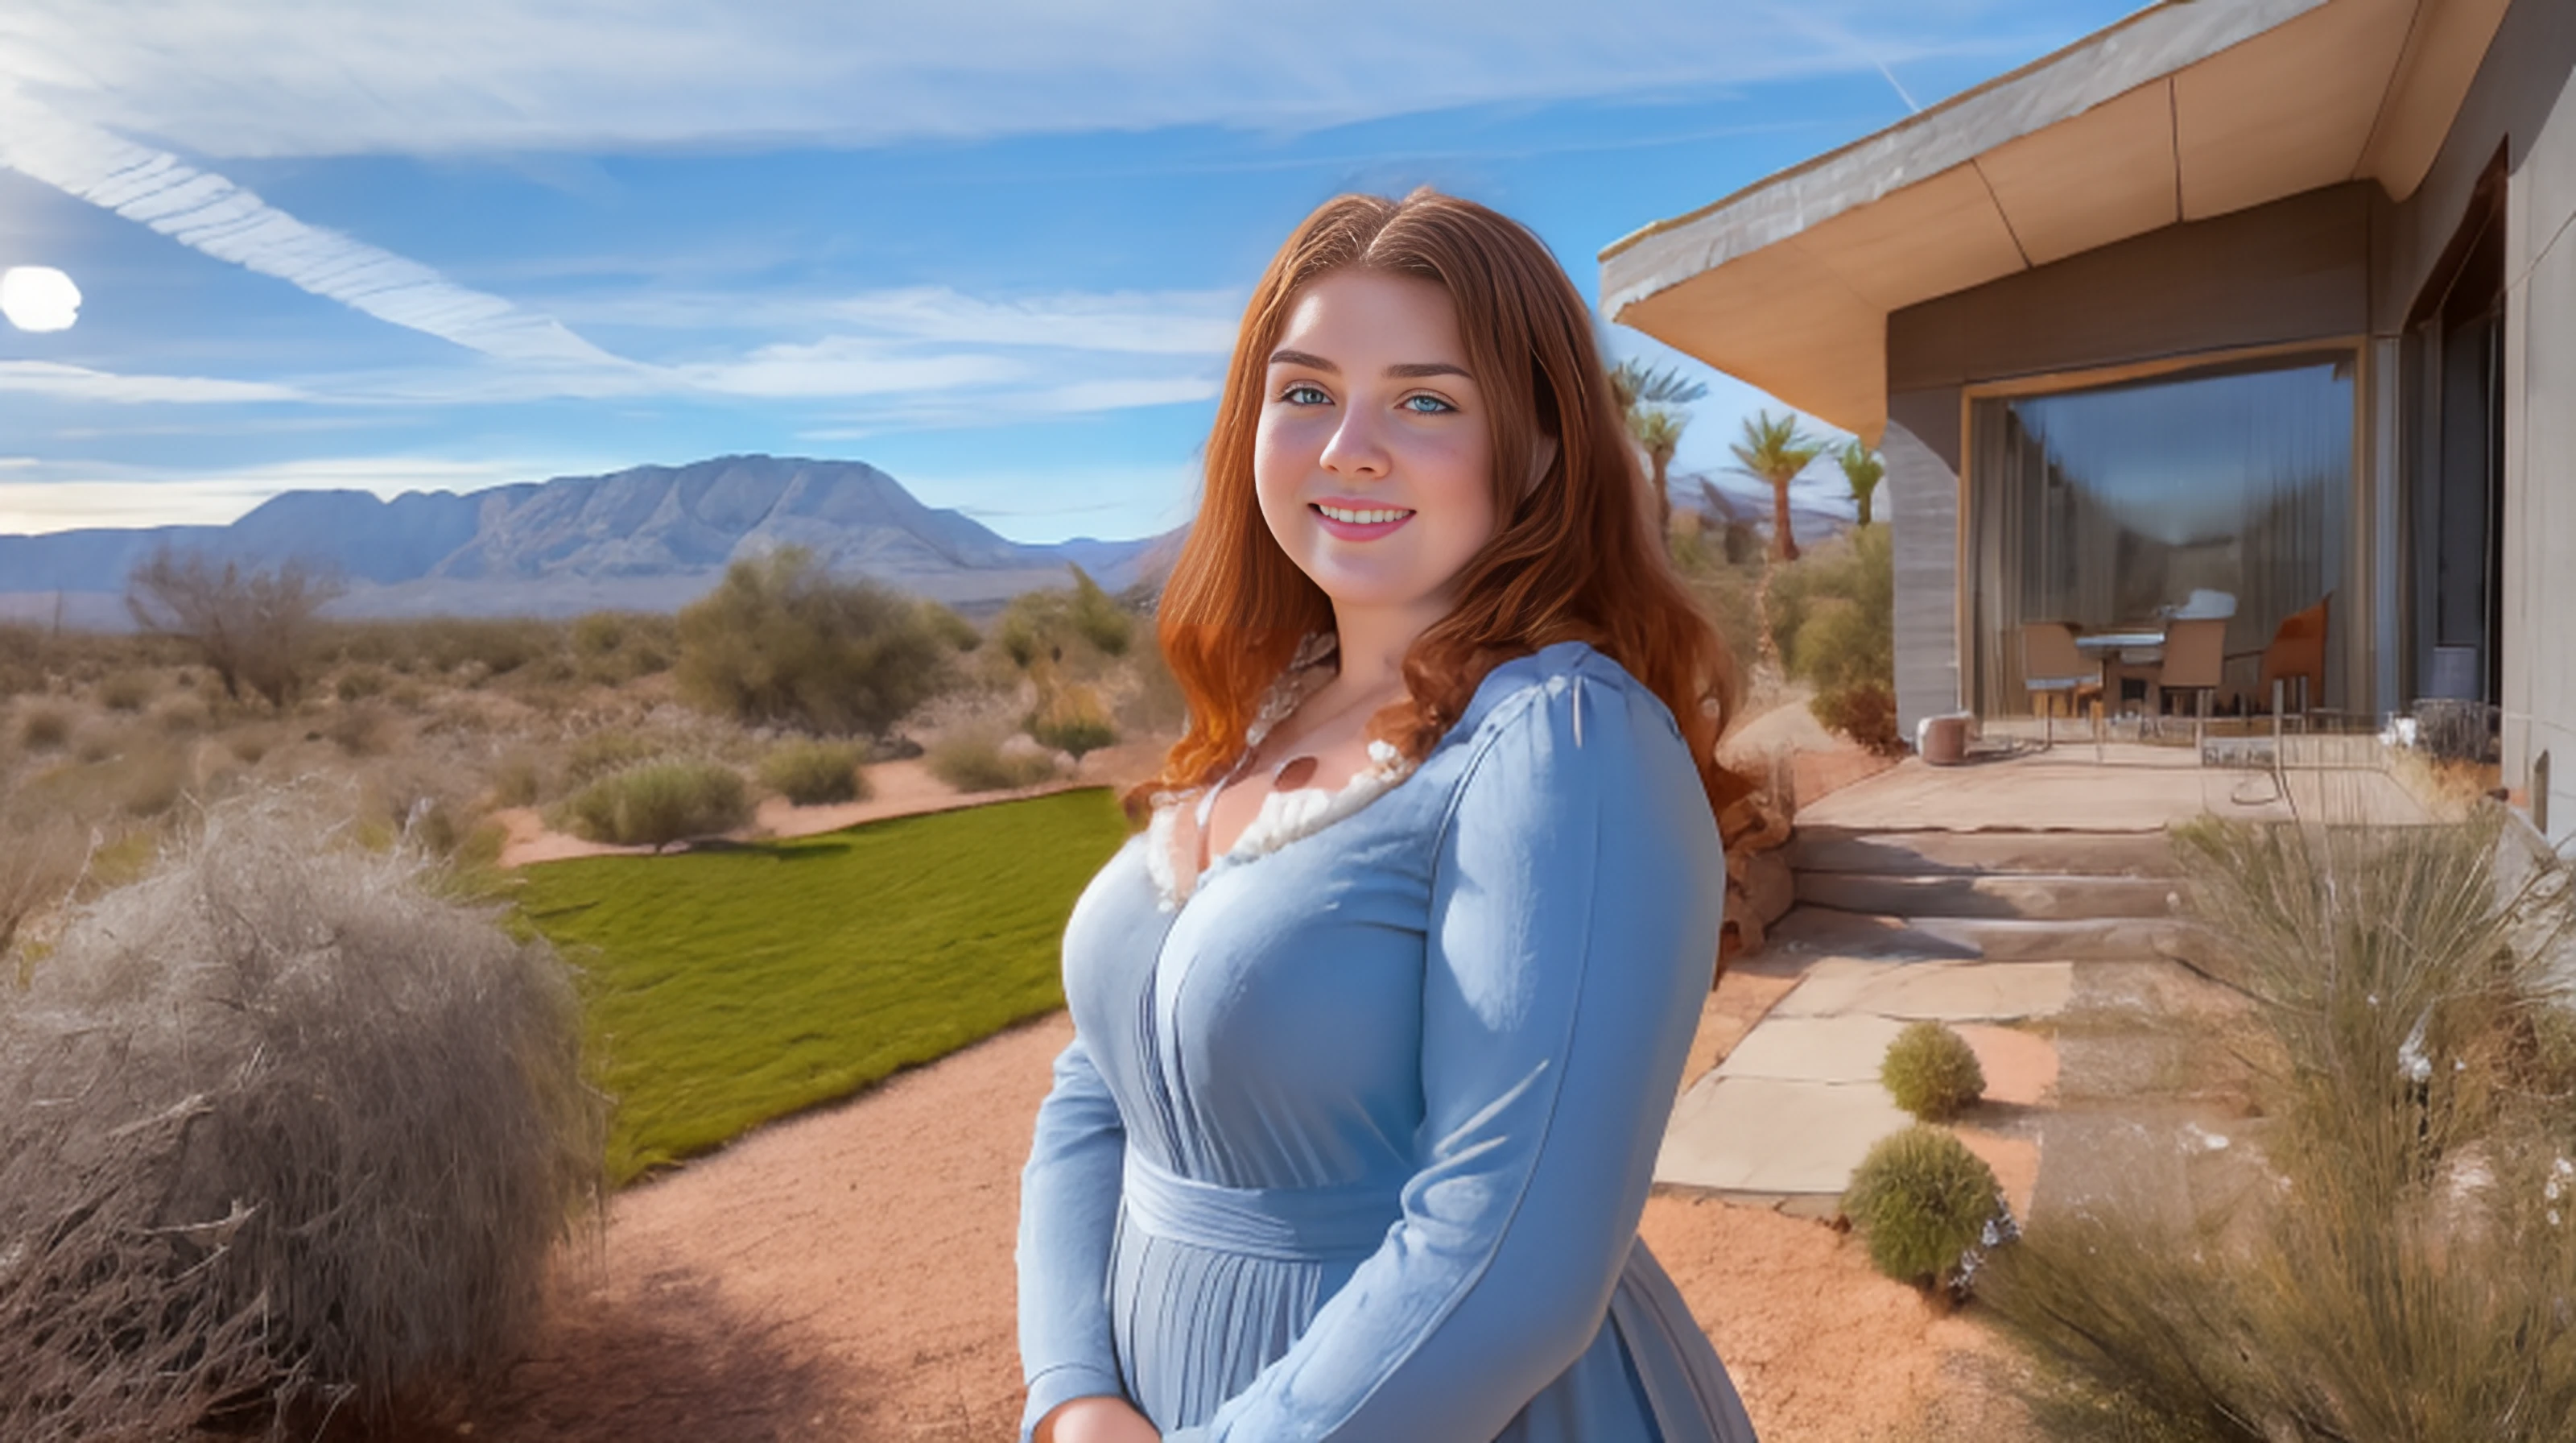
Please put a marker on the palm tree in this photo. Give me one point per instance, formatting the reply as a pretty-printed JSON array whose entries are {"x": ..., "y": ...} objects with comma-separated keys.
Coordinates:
[
  {"x": 1775, "y": 450},
  {"x": 1864, "y": 469},
  {"x": 1658, "y": 433},
  {"x": 1651, "y": 401}
]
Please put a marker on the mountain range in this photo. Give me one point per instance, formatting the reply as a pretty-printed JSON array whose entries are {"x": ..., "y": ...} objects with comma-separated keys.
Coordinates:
[{"x": 650, "y": 538}]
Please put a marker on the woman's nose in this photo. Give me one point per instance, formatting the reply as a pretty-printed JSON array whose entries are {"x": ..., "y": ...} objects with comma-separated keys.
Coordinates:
[{"x": 1355, "y": 447}]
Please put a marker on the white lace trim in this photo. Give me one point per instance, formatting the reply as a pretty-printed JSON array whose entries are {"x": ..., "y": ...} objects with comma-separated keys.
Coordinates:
[{"x": 1284, "y": 816}]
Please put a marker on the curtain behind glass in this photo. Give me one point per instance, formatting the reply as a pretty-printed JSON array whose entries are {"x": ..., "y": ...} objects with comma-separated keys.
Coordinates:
[{"x": 2104, "y": 507}]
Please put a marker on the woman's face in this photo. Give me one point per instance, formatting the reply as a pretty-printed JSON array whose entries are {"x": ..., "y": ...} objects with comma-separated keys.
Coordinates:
[{"x": 1372, "y": 459}]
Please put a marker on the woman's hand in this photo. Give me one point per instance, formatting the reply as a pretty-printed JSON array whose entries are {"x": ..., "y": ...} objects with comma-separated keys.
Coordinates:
[{"x": 1096, "y": 1420}]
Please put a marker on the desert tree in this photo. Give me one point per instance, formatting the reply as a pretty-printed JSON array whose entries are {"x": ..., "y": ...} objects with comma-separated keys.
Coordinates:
[
  {"x": 1651, "y": 400},
  {"x": 782, "y": 642},
  {"x": 253, "y": 626},
  {"x": 1863, "y": 469}
]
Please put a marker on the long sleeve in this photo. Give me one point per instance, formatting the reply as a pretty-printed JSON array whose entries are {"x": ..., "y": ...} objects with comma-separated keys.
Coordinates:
[
  {"x": 1068, "y": 1209},
  {"x": 1574, "y": 919}
]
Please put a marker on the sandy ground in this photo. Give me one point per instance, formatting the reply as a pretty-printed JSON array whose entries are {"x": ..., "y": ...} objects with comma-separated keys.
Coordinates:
[{"x": 847, "y": 1275}]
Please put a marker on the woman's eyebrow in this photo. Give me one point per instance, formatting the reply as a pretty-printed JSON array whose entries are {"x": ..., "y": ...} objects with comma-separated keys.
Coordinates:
[{"x": 1402, "y": 370}]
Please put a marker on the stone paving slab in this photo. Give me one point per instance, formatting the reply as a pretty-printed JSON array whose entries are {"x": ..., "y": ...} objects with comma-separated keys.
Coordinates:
[
  {"x": 1846, "y": 1049},
  {"x": 1768, "y": 1136},
  {"x": 1947, "y": 991}
]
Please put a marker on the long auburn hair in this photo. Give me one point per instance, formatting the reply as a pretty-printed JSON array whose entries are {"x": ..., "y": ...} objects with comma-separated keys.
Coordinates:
[{"x": 1575, "y": 557}]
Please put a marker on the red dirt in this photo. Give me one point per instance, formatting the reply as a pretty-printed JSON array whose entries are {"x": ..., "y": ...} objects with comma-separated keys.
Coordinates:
[{"x": 847, "y": 1275}]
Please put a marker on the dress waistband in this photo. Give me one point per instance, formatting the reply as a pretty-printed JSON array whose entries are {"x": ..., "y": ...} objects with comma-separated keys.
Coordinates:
[{"x": 1297, "y": 1224}]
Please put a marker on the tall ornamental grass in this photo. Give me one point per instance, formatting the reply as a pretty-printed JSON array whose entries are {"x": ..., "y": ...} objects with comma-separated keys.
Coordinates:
[
  {"x": 286, "y": 1135},
  {"x": 2402, "y": 1269}
]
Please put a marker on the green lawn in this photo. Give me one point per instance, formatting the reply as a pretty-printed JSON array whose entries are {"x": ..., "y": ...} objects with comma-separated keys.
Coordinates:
[{"x": 726, "y": 988}]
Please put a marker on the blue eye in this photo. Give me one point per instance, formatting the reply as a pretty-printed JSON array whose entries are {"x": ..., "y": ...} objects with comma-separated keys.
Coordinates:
[
  {"x": 1426, "y": 405},
  {"x": 1303, "y": 394}
]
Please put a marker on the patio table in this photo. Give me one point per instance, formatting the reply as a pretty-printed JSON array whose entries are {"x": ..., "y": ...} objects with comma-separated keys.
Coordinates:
[{"x": 2129, "y": 652}]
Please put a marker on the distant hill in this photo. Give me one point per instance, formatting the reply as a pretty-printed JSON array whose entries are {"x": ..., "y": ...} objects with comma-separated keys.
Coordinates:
[{"x": 650, "y": 538}]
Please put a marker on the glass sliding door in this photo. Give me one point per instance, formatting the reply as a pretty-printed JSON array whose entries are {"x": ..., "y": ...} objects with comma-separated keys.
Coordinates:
[{"x": 2220, "y": 490}]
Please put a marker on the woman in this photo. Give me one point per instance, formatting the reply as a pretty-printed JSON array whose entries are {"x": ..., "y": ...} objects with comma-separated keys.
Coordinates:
[{"x": 1379, "y": 1021}]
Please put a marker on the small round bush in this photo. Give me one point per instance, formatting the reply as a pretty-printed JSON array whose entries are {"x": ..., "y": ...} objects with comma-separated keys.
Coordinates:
[
  {"x": 814, "y": 774},
  {"x": 659, "y": 803},
  {"x": 977, "y": 763},
  {"x": 1926, "y": 1205},
  {"x": 1932, "y": 1072}
]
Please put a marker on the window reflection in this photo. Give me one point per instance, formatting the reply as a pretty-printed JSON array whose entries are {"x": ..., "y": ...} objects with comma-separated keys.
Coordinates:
[{"x": 2115, "y": 507}]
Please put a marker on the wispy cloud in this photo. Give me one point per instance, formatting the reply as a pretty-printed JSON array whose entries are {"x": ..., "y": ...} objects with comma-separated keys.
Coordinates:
[
  {"x": 60, "y": 382},
  {"x": 286, "y": 77},
  {"x": 209, "y": 213},
  {"x": 1179, "y": 323}
]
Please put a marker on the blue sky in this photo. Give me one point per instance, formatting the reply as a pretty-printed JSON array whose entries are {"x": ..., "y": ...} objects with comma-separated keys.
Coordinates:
[{"x": 994, "y": 247}]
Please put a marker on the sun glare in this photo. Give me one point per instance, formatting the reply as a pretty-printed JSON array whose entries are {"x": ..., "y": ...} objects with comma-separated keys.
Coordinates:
[{"x": 39, "y": 298}]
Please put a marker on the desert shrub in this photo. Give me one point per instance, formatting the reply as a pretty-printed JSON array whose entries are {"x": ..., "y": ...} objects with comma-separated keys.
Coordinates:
[
  {"x": 781, "y": 642},
  {"x": 1039, "y": 625},
  {"x": 127, "y": 691},
  {"x": 1863, "y": 711},
  {"x": 518, "y": 779},
  {"x": 150, "y": 780},
  {"x": 600, "y": 753},
  {"x": 615, "y": 647},
  {"x": 658, "y": 803},
  {"x": 1072, "y": 719},
  {"x": 976, "y": 761},
  {"x": 1927, "y": 1207},
  {"x": 1932, "y": 1072},
  {"x": 813, "y": 774},
  {"x": 959, "y": 633},
  {"x": 315, "y": 1136},
  {"x": 2407, "y": 1273},
  {"x": 364, "y": 730},
  {"x": 182, "y": 715},
  {"x": 1723, "y": 586},
  {"x": 358, "y": 683},
  {"x": 44, "y": 728},
  {"x": 251, "y": 743}
]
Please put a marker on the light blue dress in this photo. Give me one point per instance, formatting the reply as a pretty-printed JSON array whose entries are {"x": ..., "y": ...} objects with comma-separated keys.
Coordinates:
[{"x": 1352, "y": 1143}]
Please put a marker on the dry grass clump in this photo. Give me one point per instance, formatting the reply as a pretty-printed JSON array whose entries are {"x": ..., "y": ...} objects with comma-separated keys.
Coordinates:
[
  {"x": 977, "y": 760},
  {"x": 44, "y": 728},
  {"x": 2406, "y": 1270},
  {"x": 128, "y": 691},
  {"x": 815, "y": 773},
  {"x": 288, "y": 1135}
]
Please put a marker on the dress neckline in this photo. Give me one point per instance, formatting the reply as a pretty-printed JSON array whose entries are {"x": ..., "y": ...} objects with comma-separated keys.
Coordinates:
[{"x": 1284, "y": 816}]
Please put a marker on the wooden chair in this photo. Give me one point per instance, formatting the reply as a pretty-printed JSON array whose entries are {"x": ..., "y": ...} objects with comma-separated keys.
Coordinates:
[
  {"x": 2051, "y": 667},
  {"x": 2294, "y": 665},
  {"x": 2195, "y": 661}
]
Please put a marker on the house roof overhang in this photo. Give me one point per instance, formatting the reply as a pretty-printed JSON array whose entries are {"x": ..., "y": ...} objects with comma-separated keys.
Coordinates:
[{"x": 2180, "y": 112}]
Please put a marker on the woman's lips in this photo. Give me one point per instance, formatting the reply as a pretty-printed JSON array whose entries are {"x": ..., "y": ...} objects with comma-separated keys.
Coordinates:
[{"x": 1358, "y": 523}]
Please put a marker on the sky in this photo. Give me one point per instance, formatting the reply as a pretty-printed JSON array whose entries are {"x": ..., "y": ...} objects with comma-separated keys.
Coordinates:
[{"x": 997, "y": 248}]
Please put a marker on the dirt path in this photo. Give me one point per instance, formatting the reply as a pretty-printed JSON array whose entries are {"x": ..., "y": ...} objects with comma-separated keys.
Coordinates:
[{"x": 847, "y": 1275}]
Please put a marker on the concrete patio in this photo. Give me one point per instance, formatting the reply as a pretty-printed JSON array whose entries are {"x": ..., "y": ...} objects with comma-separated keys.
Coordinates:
[{"x": 2004, "y": 897}]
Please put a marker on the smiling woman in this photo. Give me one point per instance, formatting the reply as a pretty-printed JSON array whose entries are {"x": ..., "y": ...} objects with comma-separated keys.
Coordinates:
[
  {"x": 1379, "y": 1021},
  {"x": 39, "y": 298}
]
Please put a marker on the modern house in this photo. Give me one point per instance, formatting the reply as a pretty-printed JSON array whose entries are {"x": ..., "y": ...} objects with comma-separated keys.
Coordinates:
[{"x": 2263, "y": 305}]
